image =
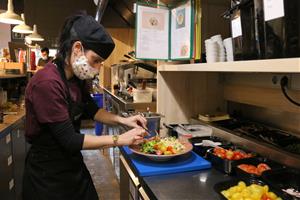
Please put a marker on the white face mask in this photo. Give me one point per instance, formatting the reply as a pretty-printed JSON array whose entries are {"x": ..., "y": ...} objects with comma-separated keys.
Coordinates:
[
  {"x": 82, "y": 68},
  {"x": 44, "y": 57}
]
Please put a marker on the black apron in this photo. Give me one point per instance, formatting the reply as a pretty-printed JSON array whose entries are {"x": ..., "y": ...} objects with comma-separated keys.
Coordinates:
[{"x": 50, "y": 172}]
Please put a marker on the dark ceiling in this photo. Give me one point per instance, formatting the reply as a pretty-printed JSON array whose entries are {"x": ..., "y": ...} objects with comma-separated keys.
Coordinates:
[{"x": 49, "y": 15}]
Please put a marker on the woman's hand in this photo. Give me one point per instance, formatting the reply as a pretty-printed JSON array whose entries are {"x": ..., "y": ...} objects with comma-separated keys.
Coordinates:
[
  {"x": 133, "y": 136},
  {"x": 135, "y": 121}
]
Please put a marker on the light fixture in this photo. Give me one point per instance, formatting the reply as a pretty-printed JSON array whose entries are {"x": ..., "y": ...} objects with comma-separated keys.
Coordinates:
[
  {"x": 22, "y": 28},
  {"x": 10, "y": 17},
  {"x": 35, "y": 36}
]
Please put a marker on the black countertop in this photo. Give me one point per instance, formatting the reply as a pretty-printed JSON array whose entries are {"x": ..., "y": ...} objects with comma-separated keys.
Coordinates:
[{"x": 182, "y": 186}]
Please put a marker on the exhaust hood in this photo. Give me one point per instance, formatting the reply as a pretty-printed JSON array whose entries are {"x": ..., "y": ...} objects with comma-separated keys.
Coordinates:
[{"x": 119, "y": 13}]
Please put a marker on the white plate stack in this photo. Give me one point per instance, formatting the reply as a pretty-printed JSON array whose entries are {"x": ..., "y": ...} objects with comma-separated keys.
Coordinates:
[
  {"x": 229, "y": 48},
  {"x": 215, "y": 51}
]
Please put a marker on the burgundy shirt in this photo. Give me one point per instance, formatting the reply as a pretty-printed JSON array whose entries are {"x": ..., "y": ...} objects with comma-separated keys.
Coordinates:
[{"x": 45, "y": 99}]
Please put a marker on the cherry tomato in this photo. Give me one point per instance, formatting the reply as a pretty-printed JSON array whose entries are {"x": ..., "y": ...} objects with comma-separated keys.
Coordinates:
[
  {"x": 265, "y": 197},
  {"x": 229, "y": 155},
  {"x": 169, "y": 148}
]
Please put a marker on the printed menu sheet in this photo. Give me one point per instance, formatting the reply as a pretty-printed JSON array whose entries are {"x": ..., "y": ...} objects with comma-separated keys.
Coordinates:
[
  {"x": 181, "y": 31},
  {"x": 152, "y": 32},
  {"x": 163, "y": 33}
]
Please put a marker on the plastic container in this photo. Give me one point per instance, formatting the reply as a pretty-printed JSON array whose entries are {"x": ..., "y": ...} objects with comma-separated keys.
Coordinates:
[
  {"x": 282, "y": 30},
  {"x": 98, "y": 98},
  {"x": 283, "y": 179},
  {"x": 243, "y": 31},
  {"x": 200, "y": 149},
  {"x": 142, "y": 96},
  {"x": 190, "y": 131},
  {"x": 255, "y": 161},
  {"x": 219, "y": 187},
  {"x": 225, "y": 165}
]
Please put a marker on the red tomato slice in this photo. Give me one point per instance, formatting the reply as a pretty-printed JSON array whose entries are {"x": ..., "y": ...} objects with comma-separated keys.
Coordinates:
[
  {"x": 169, "y": 148},
  {"x": 262, "y": 167}
]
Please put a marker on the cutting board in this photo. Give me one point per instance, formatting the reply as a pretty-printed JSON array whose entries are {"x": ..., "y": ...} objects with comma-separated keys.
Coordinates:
[{"x": 184, "y": 163}]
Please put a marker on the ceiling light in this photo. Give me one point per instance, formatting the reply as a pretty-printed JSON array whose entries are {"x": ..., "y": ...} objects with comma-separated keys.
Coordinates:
[
  {"x": 10, "y": 17},
  {"x": 35, "y": 36},
  {"x": 22, "y": 28}
]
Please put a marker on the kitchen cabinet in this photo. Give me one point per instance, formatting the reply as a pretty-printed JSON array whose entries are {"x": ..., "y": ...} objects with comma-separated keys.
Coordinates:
[
  {"x": 12, "y": 156},
  {"x": 130, "y": 188},
  {"x": 19, "y": 152},
  {"x": 7, "y": 183},
  {"x": 249, "y": 88}
]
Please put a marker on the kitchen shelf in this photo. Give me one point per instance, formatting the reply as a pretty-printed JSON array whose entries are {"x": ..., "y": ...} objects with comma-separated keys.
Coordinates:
[
  {"x": 6, "y": 76},
  {"x": 286, "y": 65}
]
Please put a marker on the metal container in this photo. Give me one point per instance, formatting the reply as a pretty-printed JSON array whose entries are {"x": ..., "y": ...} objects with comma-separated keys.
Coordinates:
[{"x": 153, "y": 122}]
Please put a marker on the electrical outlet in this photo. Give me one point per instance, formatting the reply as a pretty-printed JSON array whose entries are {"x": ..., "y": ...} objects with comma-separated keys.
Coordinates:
[{"x": 276, "y": 79}]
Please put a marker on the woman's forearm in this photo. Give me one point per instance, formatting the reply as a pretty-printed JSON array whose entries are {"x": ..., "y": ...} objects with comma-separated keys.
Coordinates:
[
  {"x": 133, "y": 136},
  {"x": 108, "y": 118},
  {"x": 96, "y": 142}
]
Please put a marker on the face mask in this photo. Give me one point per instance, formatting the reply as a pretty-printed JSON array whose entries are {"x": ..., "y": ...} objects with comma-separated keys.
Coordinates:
[
  {"x": 82, "y": 69},
  {"x": 44, "y": 57}
]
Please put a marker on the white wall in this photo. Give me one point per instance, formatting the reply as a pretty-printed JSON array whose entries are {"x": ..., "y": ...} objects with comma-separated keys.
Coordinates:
[{"x": 4, "y": 35}]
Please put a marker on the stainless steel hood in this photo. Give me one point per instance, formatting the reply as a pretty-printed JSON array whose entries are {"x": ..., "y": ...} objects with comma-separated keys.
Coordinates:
[
  {"x": 119, "y": 13},
  {"x": 101, "y": 6}
]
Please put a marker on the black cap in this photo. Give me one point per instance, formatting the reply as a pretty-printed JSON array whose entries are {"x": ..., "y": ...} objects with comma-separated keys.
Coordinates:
[{"x": 93, "y": 36}]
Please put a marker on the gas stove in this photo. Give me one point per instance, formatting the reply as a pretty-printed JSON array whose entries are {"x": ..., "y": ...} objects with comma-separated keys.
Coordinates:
[{"x": 276, "y": 137}]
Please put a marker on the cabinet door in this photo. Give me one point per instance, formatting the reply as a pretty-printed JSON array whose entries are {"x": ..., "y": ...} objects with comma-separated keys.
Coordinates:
[
  {"x": 19, "y": 152},
  {"x": 7, "y": 188}
]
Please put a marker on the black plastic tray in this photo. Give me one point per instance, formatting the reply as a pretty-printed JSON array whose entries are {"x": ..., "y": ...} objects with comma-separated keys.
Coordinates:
[
  {"x": 224, "y": 165},
  {"x": 255, "y": 161},
  {"x": 219, "y": 187},
  {"x": 202, "y": 150},
  {"x": 283, "y": 179}
]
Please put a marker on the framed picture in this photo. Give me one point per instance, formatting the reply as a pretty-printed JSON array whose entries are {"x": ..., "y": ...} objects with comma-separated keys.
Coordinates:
[{"x": 17, "y": 51}]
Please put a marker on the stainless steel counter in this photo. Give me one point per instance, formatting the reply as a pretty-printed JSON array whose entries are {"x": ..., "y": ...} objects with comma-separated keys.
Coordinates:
[{"x": 124, "y": 105}]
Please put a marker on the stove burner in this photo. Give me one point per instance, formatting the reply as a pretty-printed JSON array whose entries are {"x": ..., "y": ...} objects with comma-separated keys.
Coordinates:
[{"x": 258, "y": 131}]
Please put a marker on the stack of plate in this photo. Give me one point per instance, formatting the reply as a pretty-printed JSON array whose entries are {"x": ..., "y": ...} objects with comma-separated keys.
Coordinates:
[{"x": 215, "y": 51}]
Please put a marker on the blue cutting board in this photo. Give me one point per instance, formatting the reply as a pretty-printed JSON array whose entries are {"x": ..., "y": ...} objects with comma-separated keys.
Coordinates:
[{"x": 184, "y": 163}]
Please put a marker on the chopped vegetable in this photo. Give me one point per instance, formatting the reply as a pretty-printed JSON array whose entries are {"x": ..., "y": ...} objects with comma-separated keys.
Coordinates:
[
  {"x": 251, "y": 169},
  {"x": 230, "y": 154},
  {"x": 164, "y": 146},
  {"x": 251, "y": 192}
]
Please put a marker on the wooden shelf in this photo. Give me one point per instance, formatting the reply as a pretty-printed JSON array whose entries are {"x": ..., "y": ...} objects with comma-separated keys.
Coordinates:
[
  {"x": 4, "y": 76},
  {"x": 287, "y": 65}
]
